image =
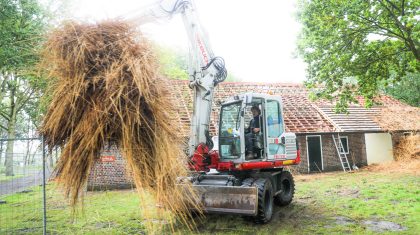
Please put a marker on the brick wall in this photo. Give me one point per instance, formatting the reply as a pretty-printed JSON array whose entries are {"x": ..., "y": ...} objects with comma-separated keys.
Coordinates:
[
  {"x": 330, "y": 158},
  {"x": 303, "y": 165},
  {"x": 357, "y": 149},
  {"x": 329, "y": 154},
  {"x": 109, "y": 172},
  {"x": 331, "y": 162}
]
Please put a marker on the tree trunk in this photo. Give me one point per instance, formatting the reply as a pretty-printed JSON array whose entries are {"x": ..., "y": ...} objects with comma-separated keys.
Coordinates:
[
  {"x": 10, "y": 144},
  {"x": 51, "y": 160},
  {"x": 1, "y": 150},
  {"x": 3, "y": 81},
  {"x": 11, "y": 133},
  {"x": 27, "y": 153}
]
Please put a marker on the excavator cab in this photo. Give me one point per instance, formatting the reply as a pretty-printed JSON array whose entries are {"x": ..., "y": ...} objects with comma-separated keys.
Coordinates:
[{"x": 249, "y": 136}]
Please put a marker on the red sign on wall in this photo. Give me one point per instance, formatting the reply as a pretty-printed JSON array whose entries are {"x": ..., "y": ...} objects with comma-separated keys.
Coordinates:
[{"x": 107, "y": 158}]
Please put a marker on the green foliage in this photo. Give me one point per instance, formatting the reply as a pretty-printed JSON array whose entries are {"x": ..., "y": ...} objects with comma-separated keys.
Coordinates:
[
  {"x": 173, "y": 63},
  {"x": 22, "y": 25},
  {"x": 353, "y": 47},
  {"x": 407, "y": 89}
]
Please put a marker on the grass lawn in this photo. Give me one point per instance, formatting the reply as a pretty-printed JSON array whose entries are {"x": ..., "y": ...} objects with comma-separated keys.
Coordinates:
[
  {"x": 333, "y": 203},
  {"x": 19, "y": 172},
  {"x": 4, "y": 178}
]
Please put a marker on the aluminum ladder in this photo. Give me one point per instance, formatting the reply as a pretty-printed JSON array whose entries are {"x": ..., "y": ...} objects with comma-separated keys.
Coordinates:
[{"x": 341, "y": 153}]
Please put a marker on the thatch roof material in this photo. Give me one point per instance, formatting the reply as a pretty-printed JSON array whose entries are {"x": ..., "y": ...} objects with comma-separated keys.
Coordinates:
[
  {"x": 397, "y": 117},
  {"x": 106, "y": 90}
]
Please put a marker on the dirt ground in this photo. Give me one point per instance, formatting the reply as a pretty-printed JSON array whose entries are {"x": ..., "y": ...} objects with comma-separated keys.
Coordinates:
[{"x": 405, "y": 167}]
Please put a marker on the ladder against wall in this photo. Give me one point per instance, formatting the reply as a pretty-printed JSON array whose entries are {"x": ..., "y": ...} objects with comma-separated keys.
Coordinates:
[{"x": 341, "y": 153}]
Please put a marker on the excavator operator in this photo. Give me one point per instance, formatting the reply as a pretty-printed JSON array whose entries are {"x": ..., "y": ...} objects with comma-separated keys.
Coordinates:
[{"x": 253, "y": 128}]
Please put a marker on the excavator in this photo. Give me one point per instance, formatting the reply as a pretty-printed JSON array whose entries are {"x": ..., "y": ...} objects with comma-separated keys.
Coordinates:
[{"x": 237, "y": 172}]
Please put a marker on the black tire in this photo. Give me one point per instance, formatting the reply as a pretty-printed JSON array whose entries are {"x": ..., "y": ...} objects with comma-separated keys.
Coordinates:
[
  {"x": 287, "y": 185},
  {"x": 265, "y": 201},
  {"x": 247, "y": 182}
]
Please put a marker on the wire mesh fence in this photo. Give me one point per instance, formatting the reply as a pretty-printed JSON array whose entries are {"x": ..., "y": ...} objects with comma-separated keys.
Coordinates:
[
  {"x": 22, "y": 178},
  {"x": 31, "y": 201}
]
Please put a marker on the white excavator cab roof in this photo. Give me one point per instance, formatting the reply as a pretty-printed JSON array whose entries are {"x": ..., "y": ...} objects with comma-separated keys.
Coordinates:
[{"x": 250, "y": 97}]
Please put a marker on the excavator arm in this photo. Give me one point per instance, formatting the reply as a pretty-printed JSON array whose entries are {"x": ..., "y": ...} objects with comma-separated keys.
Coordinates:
[{"x": 205, "y": 69}]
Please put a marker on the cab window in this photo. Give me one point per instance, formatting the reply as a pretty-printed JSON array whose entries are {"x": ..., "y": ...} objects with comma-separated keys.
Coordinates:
[
  {"x": 274, "y": 119},
  {"x": 229, "y": 133}
]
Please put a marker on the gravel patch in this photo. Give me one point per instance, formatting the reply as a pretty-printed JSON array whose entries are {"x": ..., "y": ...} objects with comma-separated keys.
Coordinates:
[
  {"x": 382, "y": 226},
  {"x": 341, "y": 220}
]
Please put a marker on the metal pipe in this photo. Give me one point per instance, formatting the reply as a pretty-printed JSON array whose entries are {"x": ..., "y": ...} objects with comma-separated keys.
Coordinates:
[{"x": 44, "y": 196}]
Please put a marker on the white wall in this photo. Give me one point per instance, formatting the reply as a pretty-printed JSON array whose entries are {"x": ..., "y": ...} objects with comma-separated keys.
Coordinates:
[{"x": 378, "y": 147}]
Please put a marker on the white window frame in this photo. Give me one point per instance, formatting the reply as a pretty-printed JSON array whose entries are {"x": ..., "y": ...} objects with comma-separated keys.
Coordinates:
[{"x": 348, "y": 147}]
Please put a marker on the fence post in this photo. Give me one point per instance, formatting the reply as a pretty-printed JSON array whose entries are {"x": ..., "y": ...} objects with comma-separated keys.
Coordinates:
[{"x": 44, "y": 195}]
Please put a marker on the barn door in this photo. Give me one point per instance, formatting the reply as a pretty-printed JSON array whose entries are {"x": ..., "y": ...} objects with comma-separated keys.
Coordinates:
[{"x": 314, "y": 153}]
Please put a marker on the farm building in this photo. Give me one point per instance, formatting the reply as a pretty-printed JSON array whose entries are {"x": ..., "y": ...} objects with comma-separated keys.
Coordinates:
[{"x": 367, "y": 135}]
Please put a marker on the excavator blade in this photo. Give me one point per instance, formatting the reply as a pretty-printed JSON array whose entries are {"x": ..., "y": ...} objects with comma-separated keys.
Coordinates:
[{"x": 227, "y": 199}]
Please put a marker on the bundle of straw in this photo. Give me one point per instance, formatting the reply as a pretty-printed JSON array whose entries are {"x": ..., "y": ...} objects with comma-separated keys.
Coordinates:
[
  {"x": 407, "y": 148},
  {"x": 106, "y": 90}
]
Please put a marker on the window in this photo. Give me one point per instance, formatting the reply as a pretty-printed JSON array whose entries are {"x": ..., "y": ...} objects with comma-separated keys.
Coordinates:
[
  {"x": 345, "y": 143},
  {"x": 274, "y": 126},
  {"x": 229, "y": 134},
  {"x": 274, "y": 120}
]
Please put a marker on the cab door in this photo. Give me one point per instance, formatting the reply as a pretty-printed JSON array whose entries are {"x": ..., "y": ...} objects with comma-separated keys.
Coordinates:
[{"x": 275, "y": 127}]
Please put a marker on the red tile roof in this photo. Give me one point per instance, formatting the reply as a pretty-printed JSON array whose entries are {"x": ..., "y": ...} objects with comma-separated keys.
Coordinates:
[{"x": 300, "y": 114}]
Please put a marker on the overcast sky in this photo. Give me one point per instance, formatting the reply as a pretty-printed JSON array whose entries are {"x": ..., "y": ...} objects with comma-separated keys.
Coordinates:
[{"x": 257, "y": 39}]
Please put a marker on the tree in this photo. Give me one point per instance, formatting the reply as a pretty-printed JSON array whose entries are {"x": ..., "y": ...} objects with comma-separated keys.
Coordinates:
[
  {"x": 22, "y": 24},
  {"x": 407, "y": 89},
  {"x": 352, "y": 48},
  {"x": 173, "y": 63}
]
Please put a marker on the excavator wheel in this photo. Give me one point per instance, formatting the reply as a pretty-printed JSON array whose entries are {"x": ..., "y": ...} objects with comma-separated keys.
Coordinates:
[
  {"x": 247, "y": 182},
  {"x": 265, "y": 201},
  {"x": 287, "y": 189}
]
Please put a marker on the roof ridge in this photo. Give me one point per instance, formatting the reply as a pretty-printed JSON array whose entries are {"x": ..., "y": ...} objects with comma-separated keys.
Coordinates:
[{"x": 267, "y": 83}]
